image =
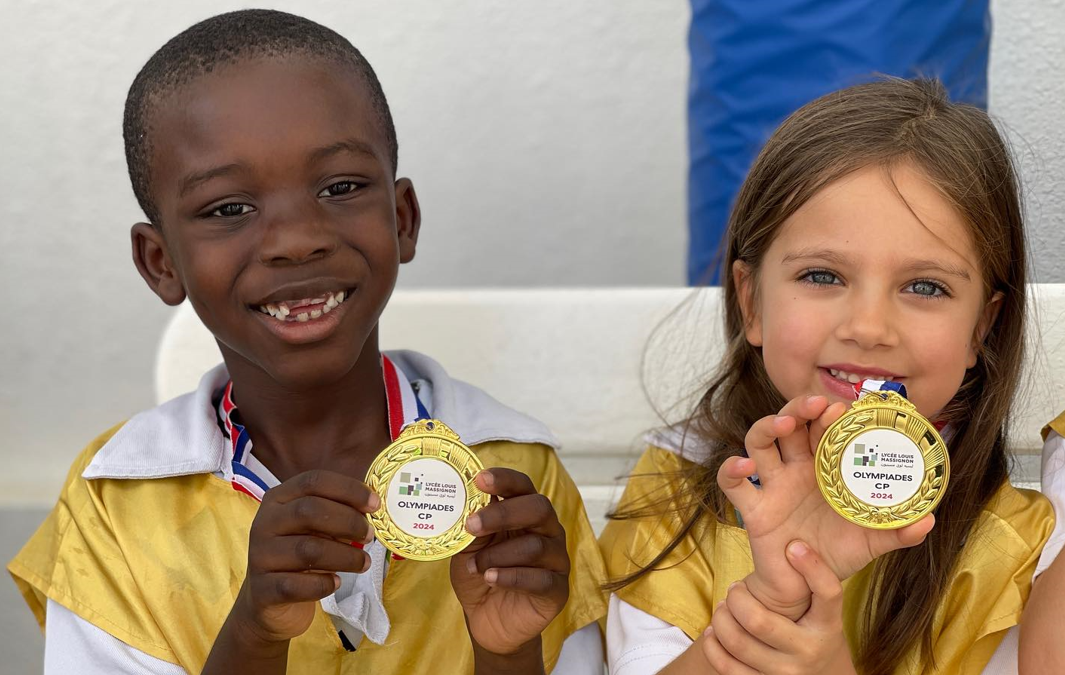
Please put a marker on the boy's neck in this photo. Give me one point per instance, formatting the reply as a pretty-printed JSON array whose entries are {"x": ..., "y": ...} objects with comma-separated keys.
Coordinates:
[{"x": 340, "y": 426}]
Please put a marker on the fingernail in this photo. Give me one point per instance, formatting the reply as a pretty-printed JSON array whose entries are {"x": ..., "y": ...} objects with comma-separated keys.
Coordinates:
[
  {"x": 471, "y": 565},
  {"x": 370, "y": 535},
  {"x": 798, "y": 549},
  {"x": 490, "y": 576},
  {"x": 812, "y": 399},
  {"x": 488, "y": 478},
  {"x": 366, "y": 564},
  {"x": 374, "y": 502},
  {"x": 473, "y": 523},
  {"x": 718, "y": 605},
  {"x": 709, "y": 631},
  {"x": 780, "y": 418},
  {"x": 336, "y": 582},
  {"x": 734, "y": 584}
]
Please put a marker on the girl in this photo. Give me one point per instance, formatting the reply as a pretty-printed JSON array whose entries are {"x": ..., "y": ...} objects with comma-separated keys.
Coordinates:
[{"x": 878, "y": 235}]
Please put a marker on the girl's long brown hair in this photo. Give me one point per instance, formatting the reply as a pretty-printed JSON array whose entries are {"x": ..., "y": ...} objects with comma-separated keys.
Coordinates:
[{"x": 959, "y": 150}]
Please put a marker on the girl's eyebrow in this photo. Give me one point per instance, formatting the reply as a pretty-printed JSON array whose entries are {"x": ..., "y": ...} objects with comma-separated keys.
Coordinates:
[{"x": 836, "y": 258}]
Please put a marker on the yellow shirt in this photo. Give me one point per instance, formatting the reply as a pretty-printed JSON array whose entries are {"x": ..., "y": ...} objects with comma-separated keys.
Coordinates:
[
  {"x": 158, "y": 563},
  {"x": 985, "y": 597}
]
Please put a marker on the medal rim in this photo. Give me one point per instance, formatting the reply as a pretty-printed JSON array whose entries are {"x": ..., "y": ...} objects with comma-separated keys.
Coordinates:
[
  {"x": 379, "y": 477},
  {"x": 831, "y": 450}
]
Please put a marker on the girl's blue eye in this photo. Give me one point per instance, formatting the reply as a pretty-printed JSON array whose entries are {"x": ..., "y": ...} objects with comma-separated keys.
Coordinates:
[
  {"x": 339, "y": 189},
  {"x": 232, "y": 210},
  {"x": 928, "y": 289},
  {"x": 820, "y": 278}
]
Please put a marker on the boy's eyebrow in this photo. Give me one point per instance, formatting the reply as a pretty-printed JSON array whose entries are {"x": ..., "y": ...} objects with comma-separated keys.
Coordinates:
[
  {"x": 352, "y": 145},
  {"x": 834, "y": 258},
  {"x": 192, "y": 180}
]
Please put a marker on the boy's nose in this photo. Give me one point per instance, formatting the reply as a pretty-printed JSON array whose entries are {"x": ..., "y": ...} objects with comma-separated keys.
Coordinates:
[{"x": 295, "y": 238}]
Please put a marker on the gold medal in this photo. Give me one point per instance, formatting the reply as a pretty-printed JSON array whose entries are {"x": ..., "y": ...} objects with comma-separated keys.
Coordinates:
[
  {"x": 882, "y": 464},
  {"x": 425, "y": 482}
]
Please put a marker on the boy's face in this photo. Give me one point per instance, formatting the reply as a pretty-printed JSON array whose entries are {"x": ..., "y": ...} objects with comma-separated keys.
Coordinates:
[{"x": 274, "y": 183}]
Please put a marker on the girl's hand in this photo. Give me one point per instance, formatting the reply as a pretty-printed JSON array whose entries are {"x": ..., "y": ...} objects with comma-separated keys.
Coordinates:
[
  {"x": 514, "y": 578},
  {"x": 789, "y": 506},
  {"x": 746, "y": 638}
]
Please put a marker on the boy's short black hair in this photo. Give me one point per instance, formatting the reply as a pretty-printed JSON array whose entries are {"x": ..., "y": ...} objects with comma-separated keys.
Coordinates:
[{"x": 224, "y": 39}]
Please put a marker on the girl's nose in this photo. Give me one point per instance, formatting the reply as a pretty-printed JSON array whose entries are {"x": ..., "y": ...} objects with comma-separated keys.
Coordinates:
[{"x": 869, "y": 322}]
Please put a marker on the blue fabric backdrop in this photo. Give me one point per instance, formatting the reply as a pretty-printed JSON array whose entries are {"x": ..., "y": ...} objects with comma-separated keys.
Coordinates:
[{"x": 755, "y": 61}]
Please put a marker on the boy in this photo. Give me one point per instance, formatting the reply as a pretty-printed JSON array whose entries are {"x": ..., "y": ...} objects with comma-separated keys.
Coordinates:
[{"x": 262, "y": 150}]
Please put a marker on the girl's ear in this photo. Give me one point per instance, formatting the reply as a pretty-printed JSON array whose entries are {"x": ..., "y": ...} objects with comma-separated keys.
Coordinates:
[
  {"x": 153, "y": 261},
  {"x": 987, "y": 319},
  {"x": 743, "y": 278}
]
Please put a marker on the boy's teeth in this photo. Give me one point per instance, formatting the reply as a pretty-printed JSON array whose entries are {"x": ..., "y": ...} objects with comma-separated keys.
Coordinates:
[{"x": 281, "y": 311}]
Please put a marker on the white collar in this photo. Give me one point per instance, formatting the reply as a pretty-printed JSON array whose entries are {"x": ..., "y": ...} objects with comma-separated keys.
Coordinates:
[{"x": 181, "y": 437}]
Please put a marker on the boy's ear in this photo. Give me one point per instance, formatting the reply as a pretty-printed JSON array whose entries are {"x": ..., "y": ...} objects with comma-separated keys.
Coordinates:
[
  {"x": 743, "y": 278},
  {"x": 408, "y": 219},
  {"x": 152, "y": 258},
  {"x": 983, "y": 326}
]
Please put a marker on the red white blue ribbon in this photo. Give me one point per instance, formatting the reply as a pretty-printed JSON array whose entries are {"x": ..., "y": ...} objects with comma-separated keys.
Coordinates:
[
  {"x": 878, "y": 387},
  {"x": 251, "y": 477}
]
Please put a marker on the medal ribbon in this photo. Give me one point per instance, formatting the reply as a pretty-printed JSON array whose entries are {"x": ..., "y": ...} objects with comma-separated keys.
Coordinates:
[
  {"x": 254, "y": 479},
  {"x": 876, "y": 386}
]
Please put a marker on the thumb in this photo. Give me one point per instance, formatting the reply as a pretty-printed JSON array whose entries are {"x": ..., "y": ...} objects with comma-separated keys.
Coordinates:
[
  {"x": 885, "y": 541},
  {"x": 826, "y": 603}
]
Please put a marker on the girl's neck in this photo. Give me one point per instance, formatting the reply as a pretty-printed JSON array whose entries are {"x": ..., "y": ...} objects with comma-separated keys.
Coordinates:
[{"x": 340, "y": 426}]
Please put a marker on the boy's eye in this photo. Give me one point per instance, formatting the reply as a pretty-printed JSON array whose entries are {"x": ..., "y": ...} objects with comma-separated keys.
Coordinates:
[
  {"x": 820, "y": 278},
  {"x": 232, "y": 210},
  {"x": 338, "y": 189},
  {"x": 929, "y": 289}
]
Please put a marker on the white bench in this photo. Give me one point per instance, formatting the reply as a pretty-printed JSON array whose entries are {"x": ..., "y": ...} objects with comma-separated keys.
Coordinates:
[{"x": 588, "y": 362}]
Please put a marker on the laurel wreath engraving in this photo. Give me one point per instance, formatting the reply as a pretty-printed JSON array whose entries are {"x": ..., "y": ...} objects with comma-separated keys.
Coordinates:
[
  {"x": 830, "y": 479},
  {"x": 413, "y": 444}
]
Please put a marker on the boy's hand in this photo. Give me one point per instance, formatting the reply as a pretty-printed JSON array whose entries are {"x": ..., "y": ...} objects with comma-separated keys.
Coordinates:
[
  {"x": 789, "y": 506},
  {"x": 745, "y": 637},
  {"x": 301, "y": 536},
  {"x": 514, "y": 578}
]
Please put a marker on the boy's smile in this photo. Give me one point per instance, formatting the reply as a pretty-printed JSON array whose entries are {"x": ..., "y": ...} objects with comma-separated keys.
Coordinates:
[{"x": 280, "y": 214}]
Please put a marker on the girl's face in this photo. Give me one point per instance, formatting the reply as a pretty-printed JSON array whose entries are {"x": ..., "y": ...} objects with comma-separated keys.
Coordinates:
[{"x": 862, "y": 283}]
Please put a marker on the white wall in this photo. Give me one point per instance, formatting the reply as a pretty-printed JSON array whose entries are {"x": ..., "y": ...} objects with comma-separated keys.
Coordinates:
[{"x": 547, "y": 141}]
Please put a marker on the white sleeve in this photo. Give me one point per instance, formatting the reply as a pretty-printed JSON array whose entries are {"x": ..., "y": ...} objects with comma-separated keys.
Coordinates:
[
  {"x": 582, "y": 653},
  {"x": 73, "y": 645},
  {"x": 1053, "y": 481},
  {"x": 638, "y": 643}
]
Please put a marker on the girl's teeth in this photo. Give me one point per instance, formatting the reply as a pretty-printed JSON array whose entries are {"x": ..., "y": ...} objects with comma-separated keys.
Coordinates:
[{"x": 853, "y": 379}]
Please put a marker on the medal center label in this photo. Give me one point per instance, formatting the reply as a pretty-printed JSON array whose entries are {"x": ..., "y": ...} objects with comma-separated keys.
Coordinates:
[
  {"x": 426, "y": 497},
  {"x": 882, "y": 467}
]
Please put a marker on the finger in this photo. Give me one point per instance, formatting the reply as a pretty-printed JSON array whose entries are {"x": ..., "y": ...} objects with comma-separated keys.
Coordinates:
[
  {"x": 764, "y": 624},
  {"x": 884, "y": 541},
  {"x": 761, "y": 441},
  {"x": 329, "y": 485},
  {"x": 306, "y": 553},
  {"x": 285, "y": 588},
  {"x": 732, "y": 479},
  {"x": 826, "y": 605},
  {"x": 532, "y": 512},
  {"x": 528, "y": 550},
  {"x": 504, "y": 483},
  {"x": 719, "y": 659},
  {"x": 824, "y": 421},
  {"x": 531, "y": 580},
  {"x": 805, "y": 409},
  {"x": 318, "y": 515},
  {"x": 738, "y": 642}
]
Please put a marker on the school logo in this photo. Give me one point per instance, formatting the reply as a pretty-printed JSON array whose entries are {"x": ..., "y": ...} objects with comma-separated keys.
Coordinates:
[
  {"x": 863, "y": 457},
  {"x": 412, "y": 489}
]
